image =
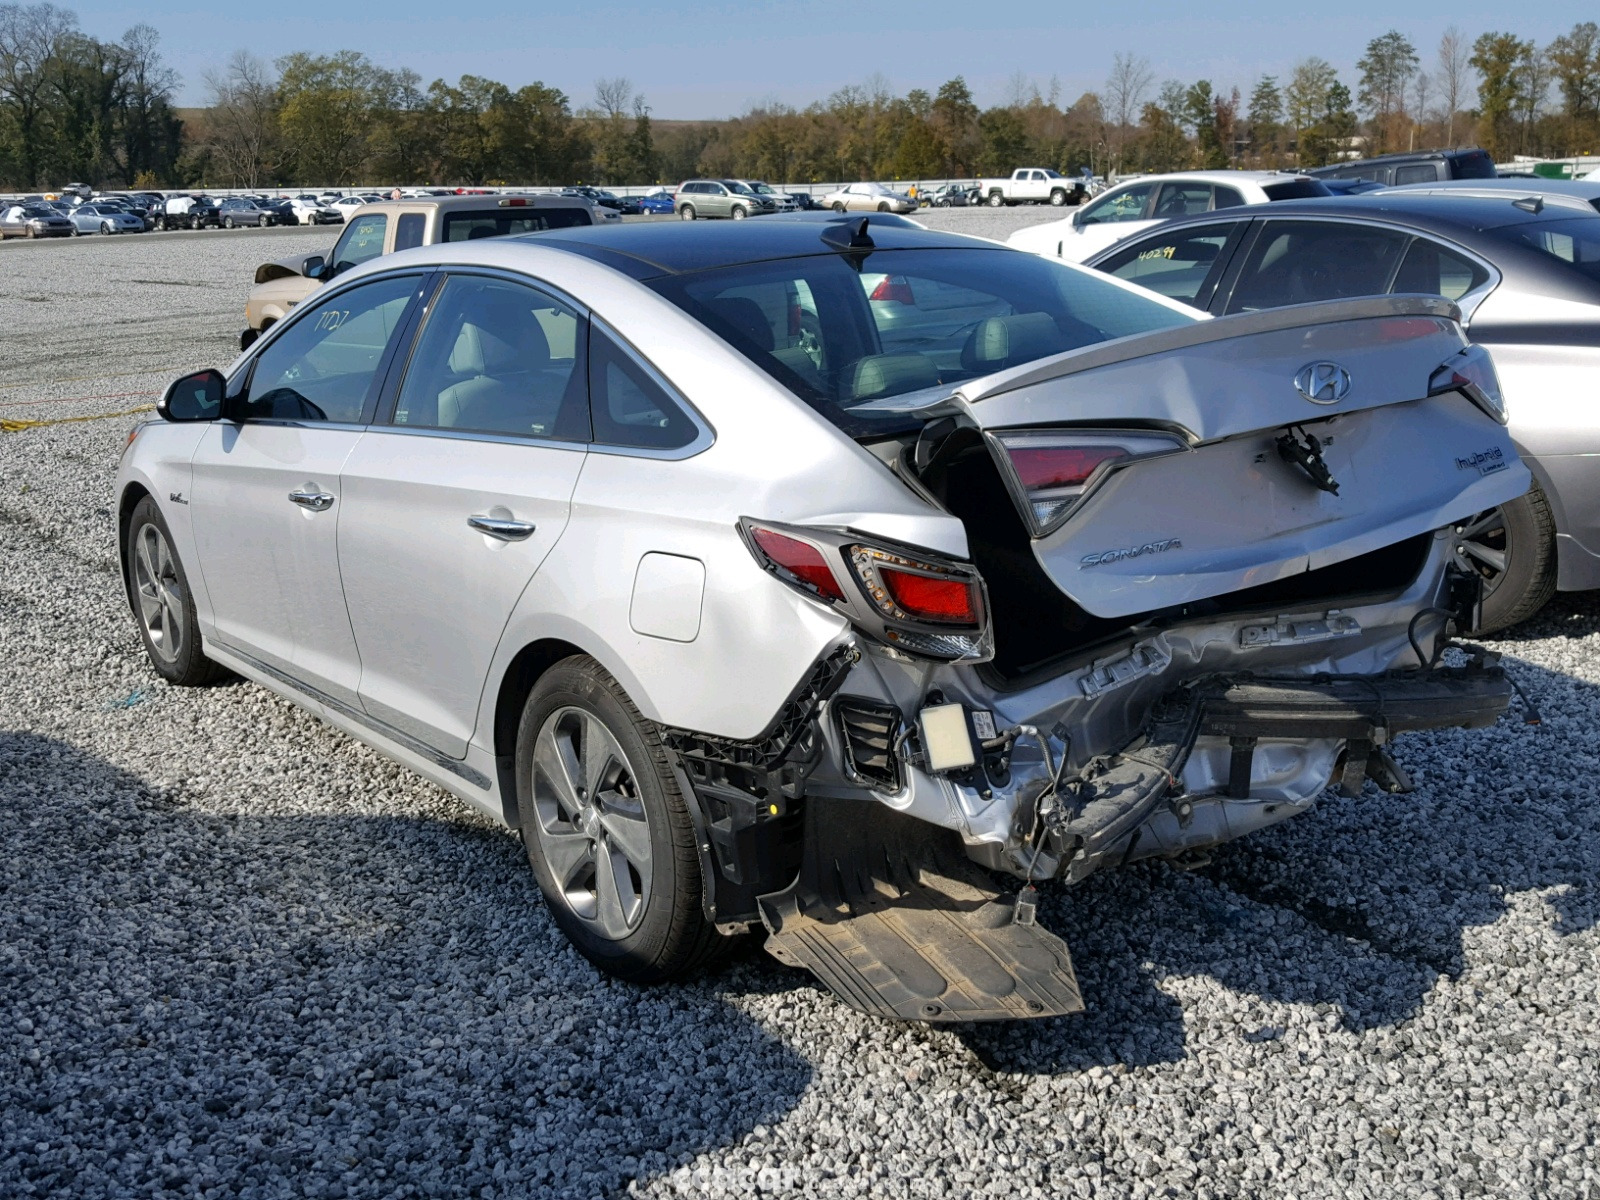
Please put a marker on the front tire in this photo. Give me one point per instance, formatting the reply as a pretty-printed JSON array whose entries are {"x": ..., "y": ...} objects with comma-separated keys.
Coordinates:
[
  {"x": 264, "y": 222},
  {"x": 105, "y": 228},
  {"x": 1513, "y": 548},
  {"x": 1058, "y": 199},
  {"x": 740, "y": 212},
  {"x": 162, "y": 603},
  {"x": 606, "y": 830}
]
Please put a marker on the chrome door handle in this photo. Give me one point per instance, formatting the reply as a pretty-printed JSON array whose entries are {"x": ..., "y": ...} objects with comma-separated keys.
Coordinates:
[
  {"x": 315, "y": 501},
  {"x": 498, "y": 527}
]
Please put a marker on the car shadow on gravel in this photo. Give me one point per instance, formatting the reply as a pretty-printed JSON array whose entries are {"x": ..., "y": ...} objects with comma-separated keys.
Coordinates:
[
  {"x": 1358, "y": 907},
  {"x": 325, "y": 1007}
]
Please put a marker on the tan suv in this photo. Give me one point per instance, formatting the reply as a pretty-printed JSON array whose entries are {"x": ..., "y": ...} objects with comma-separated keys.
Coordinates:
[{"x": 391, "y": 225}]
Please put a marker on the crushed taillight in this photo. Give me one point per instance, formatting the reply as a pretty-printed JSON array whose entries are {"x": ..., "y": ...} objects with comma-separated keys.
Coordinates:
[
  {"x": 909, "y": 589},
  {"x": 800, "y": 562},
  {"x": 1051, "y": 471},
  {"x": 1472, "y": 372},
  {"x": 896, "y": 288}
]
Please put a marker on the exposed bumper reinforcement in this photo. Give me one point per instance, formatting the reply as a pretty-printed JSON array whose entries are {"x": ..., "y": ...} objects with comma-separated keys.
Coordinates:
[
  {"x": 1114, "y": 796},
  {"x": 889, "y": 914}
]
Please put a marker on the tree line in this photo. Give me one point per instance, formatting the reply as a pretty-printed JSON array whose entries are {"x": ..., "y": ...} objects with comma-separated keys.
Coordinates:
[{"x": 73, "y": 107}]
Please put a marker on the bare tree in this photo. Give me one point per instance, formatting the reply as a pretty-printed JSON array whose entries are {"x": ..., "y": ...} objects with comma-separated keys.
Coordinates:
[
  {"x": 1126, "y": 88},
  {"x": 1422, "y": 93},
  {"x": 613, "y": 98},
  {"x": 1454, "y": 77},
  {"x": 1021, "y": 91},
  {"x": 244, "y": 113}
]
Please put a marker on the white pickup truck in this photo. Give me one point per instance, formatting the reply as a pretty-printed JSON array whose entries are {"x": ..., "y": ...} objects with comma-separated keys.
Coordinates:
[{"x": 1031, "y": 185}]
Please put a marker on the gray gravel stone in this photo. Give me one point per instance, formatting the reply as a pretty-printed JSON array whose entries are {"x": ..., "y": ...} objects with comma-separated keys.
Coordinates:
[{"x": 241, "y": 955}]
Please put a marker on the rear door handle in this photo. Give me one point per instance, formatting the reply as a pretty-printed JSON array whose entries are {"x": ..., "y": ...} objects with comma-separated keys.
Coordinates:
[
  {"x": 499, "y": 527},
  {"x": 315, "y": 501}
]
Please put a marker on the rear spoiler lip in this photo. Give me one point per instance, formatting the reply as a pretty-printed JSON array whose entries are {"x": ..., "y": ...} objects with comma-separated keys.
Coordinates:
[{"x": 1220, "y": 329}]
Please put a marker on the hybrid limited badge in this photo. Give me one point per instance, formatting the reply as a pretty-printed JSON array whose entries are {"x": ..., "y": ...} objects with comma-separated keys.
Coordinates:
[{"x": 1323, "y": 382}]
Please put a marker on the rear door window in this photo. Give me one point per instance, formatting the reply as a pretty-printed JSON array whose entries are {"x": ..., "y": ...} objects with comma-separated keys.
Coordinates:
[
  {"x": 409, "y": 230},
  {"x": 1416, "y": 173},
  {"x": 497, "y": 222},
  {"x": 1299, "y": 262},
  {"x": 1432, "y": 270},
  {"x": 1183, "y": 265},
  {"x": 1182, "y": 200}
]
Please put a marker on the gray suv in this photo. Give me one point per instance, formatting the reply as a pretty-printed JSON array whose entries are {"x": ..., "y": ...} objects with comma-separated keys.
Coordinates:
[{"x": 720, "y": 198}]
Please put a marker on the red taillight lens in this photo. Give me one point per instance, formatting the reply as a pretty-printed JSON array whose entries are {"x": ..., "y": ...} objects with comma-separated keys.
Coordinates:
[
  {"x": 929, "y": 598},
  {"x": 801, "y": 561},
  {"x": 1054, "y": 470},
  {"x": 894, "y": 287}
]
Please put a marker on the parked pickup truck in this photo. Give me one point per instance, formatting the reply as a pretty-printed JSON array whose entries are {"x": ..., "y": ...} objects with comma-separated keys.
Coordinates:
[{"x": 1032, "y": 185}]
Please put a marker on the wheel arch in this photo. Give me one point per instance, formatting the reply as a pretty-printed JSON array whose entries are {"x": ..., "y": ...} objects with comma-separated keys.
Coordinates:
[
  {"x": 126, "y": 503},
  {"x": 517, "y": 682}
]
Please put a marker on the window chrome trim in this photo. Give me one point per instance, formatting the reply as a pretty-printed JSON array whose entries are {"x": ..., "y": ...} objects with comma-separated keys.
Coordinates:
[{"x": 470, "y": 435}]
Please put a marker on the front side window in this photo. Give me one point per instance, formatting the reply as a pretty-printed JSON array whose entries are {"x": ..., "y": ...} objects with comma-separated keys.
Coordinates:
[
  {"x": 1298, "y": 262},
  {"x": 1126, "y": 205},
  {"x": 323, "y": 366},
  {"x": 842, "y": 333},
  {"x": 361, "y": 241},
  {"x": 498, "y": 357},
  {"x": 1178, "y": 265}
]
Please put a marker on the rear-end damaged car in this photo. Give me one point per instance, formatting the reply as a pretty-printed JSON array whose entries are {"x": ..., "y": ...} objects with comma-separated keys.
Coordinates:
[{"x": 753, "y": 608}]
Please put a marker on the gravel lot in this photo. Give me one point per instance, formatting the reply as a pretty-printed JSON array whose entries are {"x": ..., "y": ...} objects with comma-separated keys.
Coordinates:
[{"x": 241, "y": 955}]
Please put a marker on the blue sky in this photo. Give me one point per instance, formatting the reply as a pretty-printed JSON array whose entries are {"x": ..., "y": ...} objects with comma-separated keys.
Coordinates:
[{"x": 716, "y": 59}]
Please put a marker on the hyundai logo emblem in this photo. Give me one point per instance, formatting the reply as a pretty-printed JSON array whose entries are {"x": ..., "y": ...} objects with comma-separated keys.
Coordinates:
[{"x": 1323, "y": 382}]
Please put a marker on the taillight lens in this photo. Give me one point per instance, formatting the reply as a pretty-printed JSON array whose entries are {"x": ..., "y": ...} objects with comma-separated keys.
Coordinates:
[
  {"x": 896, "y": 288},
  {"x": 905, "y": 589},
  {"x": 1052, "y": 471},
  {"x": 800, "y": 562},
  {"x": 1472, "y": 371}
]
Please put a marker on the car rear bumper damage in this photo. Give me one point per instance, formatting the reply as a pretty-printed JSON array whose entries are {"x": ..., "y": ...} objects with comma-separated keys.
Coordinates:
[{"x": 857, "y": 832}]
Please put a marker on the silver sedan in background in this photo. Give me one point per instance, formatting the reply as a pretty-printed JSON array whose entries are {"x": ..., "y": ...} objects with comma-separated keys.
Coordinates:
[
  {"x": 869, "y": 197},
  {"x": 807, "y": 576},
  {"x": 104, "y": 218}
]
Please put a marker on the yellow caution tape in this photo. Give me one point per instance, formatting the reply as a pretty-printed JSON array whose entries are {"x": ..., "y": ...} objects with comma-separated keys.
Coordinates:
[{"x": 8, "y": 426}]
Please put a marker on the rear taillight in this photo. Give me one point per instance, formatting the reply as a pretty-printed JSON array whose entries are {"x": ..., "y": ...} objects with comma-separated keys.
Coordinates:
[
  {"x": 797, "y": 562},
  {"x": 1052, "y": 471},
  {"x": 896, "y": 288},
  {"x": 1471, "y": 372},
  {"x": 901, "y": 597}
]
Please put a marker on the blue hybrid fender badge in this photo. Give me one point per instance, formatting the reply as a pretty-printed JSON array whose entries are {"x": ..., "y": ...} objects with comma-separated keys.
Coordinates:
[{"x": 1323, "y": 382}]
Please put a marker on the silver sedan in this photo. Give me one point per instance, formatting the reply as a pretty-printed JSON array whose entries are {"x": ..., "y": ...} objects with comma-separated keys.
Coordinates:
[
  {"x": 104, "y": 218},
  {"x": 755, "y": 609}
]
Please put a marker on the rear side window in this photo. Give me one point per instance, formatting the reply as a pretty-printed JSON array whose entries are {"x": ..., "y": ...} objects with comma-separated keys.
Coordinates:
[
  {"x": 408, "y": 231},
  {"x": 1416, "y": 173},
  {"x": 627, "y": 405},
  {"x": 1295, "y": 189},
  {"x": 1299, "y": 262},
  {"x": 1228, "y": 197},
  {"x": 470, "y": 226},
  {"x": 1434, "y": 271},
  {"x": 1178, "y": 265}
]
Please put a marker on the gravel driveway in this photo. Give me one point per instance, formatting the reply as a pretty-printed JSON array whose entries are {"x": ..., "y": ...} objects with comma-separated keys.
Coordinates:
[{"x": 241, "y": 955}]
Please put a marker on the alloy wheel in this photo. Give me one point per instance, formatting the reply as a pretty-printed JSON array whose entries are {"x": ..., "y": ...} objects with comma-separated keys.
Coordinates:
[
  {"x": 1482, "y": 546},
  {"x": 591, "y": 822},
  {"x": 159, "y": 592}
]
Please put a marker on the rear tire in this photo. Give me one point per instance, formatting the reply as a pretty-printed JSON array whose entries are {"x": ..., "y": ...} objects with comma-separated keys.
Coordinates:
[
  {"x": 996, "y": 200},
  {"x": 686, "y": 213},
  {"x": 163, "y": 606},
  {"x": 1514, "y": 548},
  {"x": 596, "y": 793},
  {"x": 227, "y": 222},
  {"x": 838, "y": 206}
]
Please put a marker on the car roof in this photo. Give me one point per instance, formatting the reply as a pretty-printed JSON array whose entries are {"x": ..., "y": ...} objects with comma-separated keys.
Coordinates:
[
  {"x": 1576, "y": 191},
  {"x": 475, "y": 203},
  {"x": 649, "y": 251},
  {"x": 1218, "y": 177}
]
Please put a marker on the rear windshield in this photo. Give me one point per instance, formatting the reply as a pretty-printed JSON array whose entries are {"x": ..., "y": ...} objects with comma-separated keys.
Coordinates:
[
  {"x": 1475, "y": 166},
  {"x": 1296, "y": 189},
  {"x": 1574, "y": 241},
  {"x": 842, "y": 332},
  {"x": 470, "y": 226}
]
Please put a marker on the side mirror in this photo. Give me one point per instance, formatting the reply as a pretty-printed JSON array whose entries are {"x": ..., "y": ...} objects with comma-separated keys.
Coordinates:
[
  {"x": 1077, "y": 219},
  {"x": 316, "y": 267},
  {"x": 196, "y": 397}
]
